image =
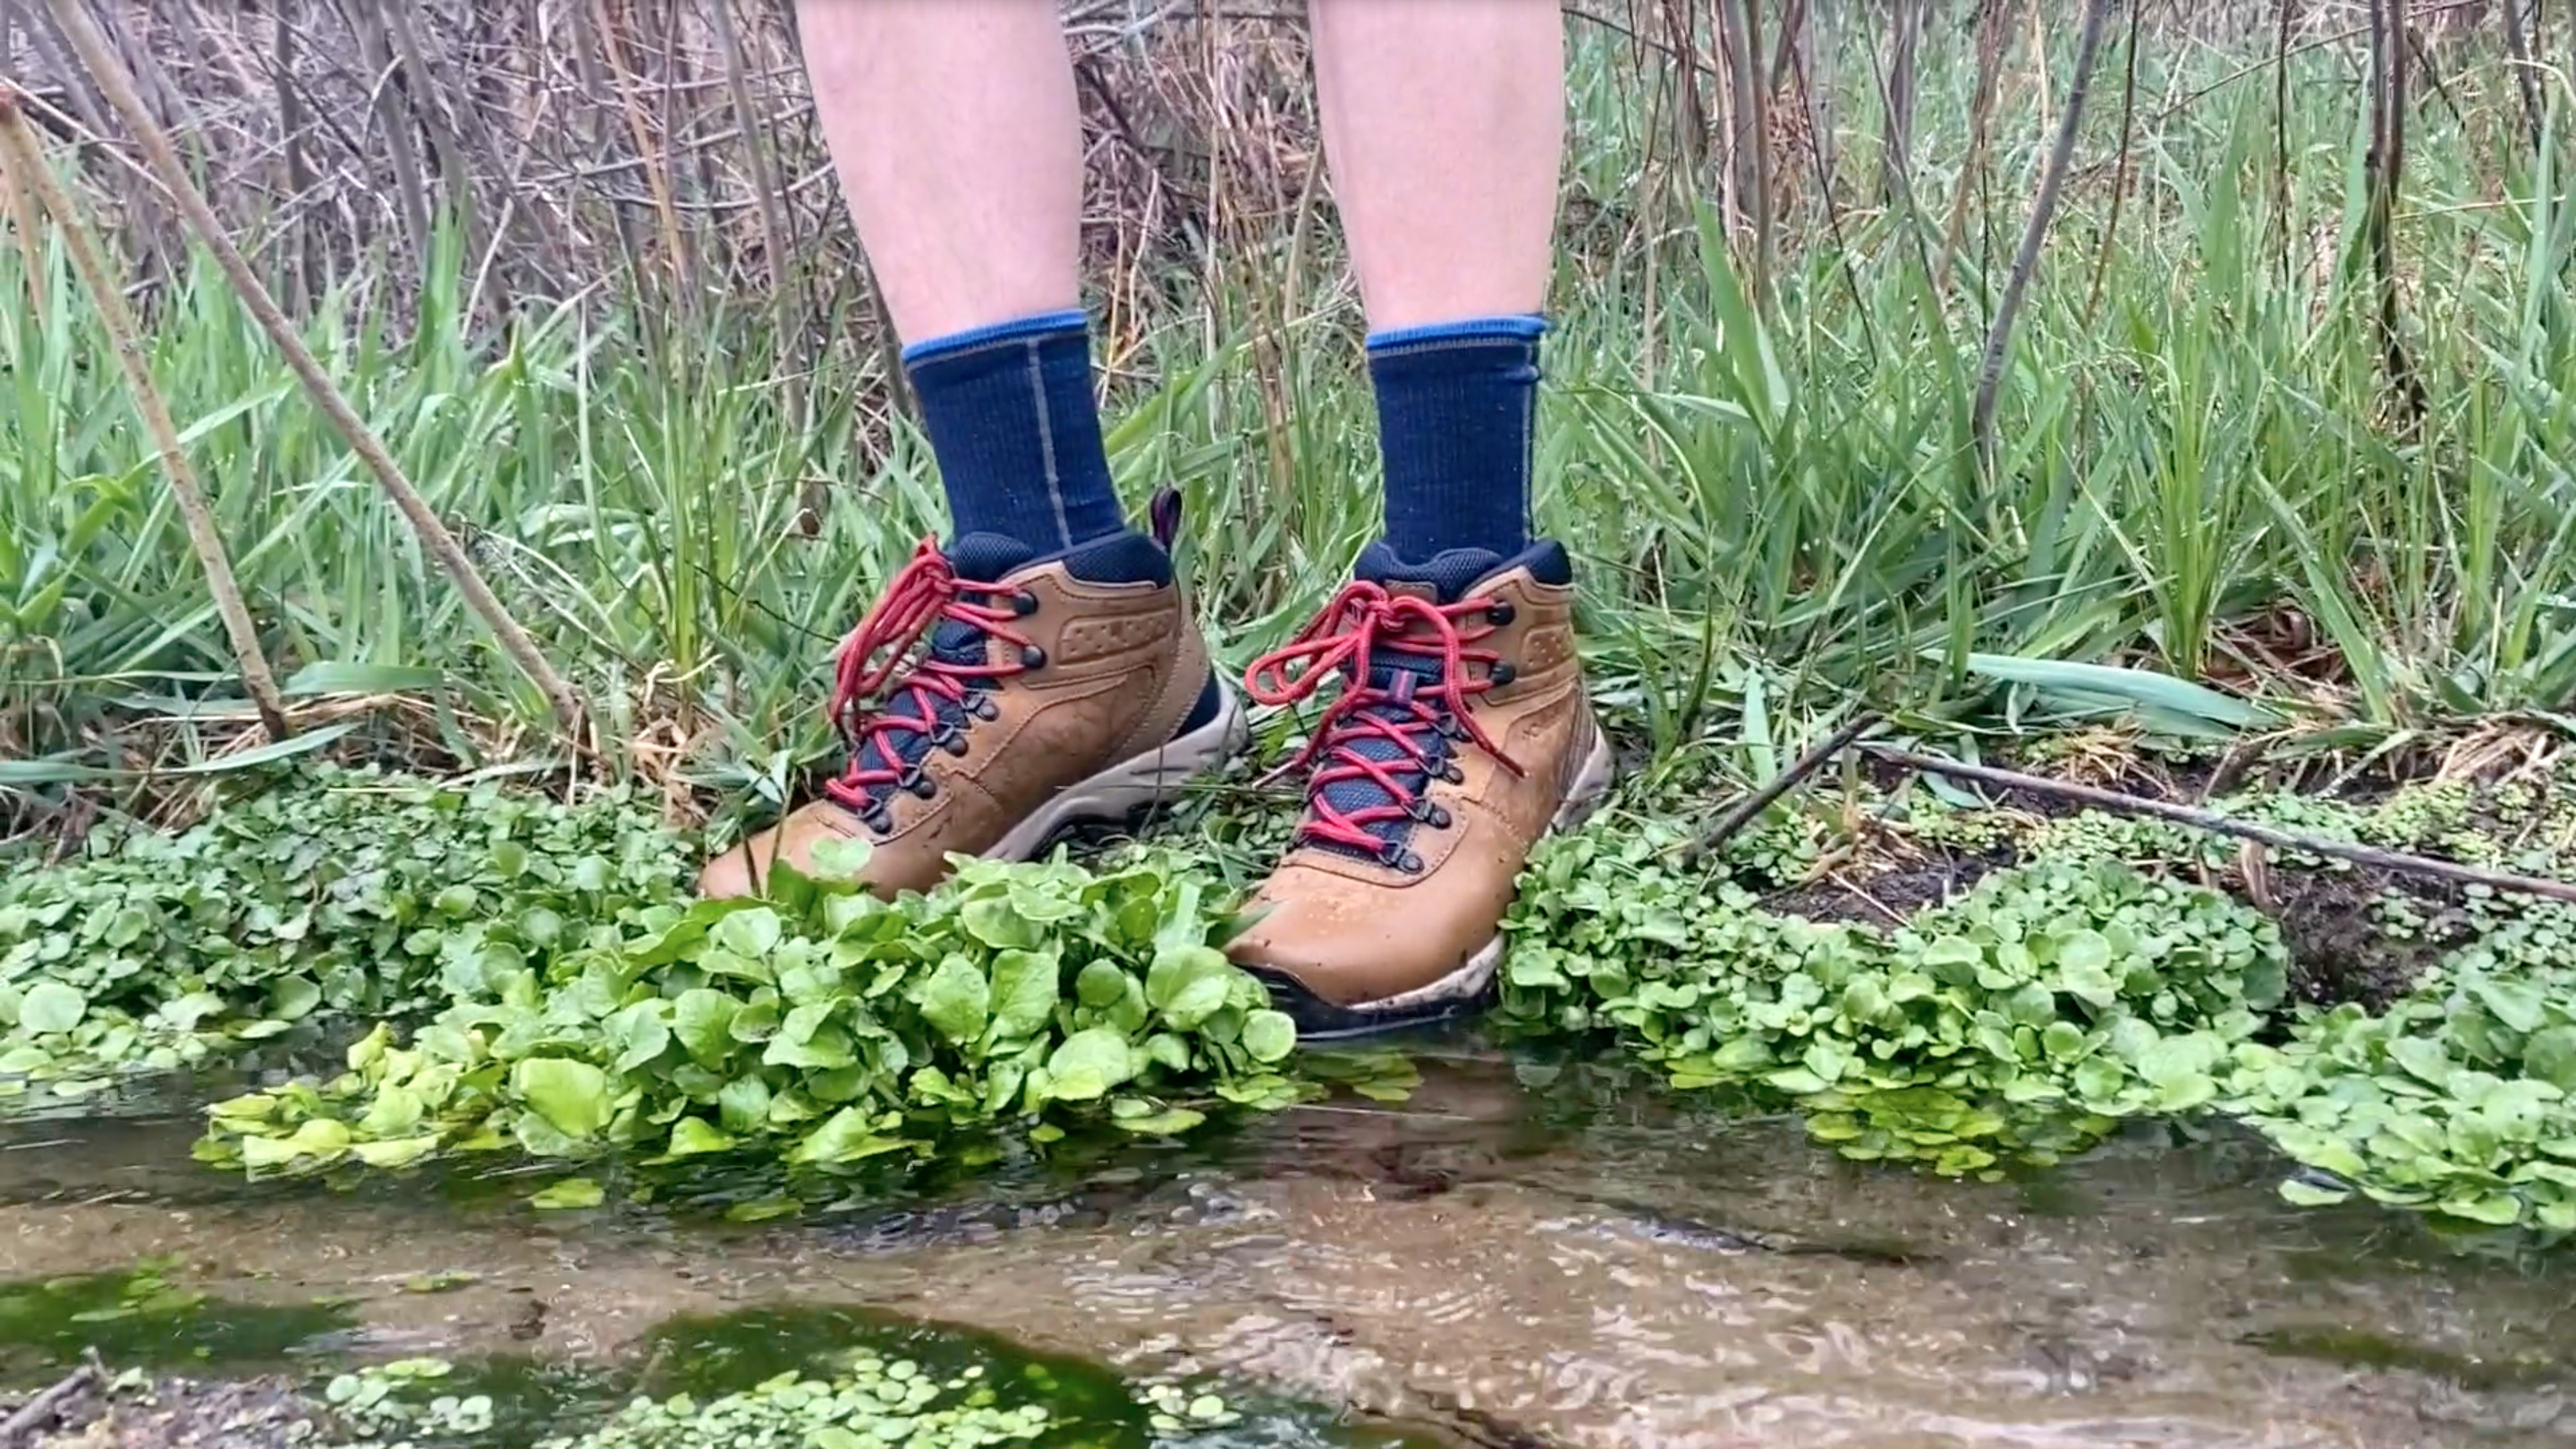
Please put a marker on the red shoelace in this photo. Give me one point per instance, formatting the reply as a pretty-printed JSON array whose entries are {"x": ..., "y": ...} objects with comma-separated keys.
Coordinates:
[
  {"x": 871, "y": 667},
  {"x": 1406, "y": 711}
]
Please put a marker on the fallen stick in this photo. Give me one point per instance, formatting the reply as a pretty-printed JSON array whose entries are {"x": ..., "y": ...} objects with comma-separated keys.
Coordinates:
[
  {"x": 2112, "y": 800},
  {"x": 20, "y": 1427},
  {"x": 436, "y": 540},
  {"x": 21, "y": 155},
  {"x": 1741, "y": 813}
]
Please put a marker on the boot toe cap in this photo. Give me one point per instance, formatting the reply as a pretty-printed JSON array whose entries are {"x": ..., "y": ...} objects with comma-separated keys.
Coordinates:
[{"x": 1345, "y": 956}]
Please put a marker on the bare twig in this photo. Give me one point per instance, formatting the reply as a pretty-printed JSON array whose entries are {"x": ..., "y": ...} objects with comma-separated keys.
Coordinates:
[
  {"x": 19, "y": 1429},
  {"x": 1741, "y": 813},
  {"x": 2043, "y": 208},
  {"x": 118, "y": 84},
  {"x": 2517, "y": 48},
  {"x": 26, "y": 163},
  {"x": 2119, "y": 176},
  {"x": 2397, "y": 861},
  {"x": 2387, "y": 165}
]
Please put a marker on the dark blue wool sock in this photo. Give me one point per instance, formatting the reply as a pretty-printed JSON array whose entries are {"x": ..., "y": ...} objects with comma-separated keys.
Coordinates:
[
  {"x": 1013, "y": 419},
  {"x": 1455, "y": 404}
]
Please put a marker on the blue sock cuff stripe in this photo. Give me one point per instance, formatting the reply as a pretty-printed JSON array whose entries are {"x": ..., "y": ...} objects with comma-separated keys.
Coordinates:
[
  {"x": 1528, "y": 327},
  {"x": 1072, "y": 319}
]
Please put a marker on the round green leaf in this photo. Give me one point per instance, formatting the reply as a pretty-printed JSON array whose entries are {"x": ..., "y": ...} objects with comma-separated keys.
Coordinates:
[{"x": 50, "y": 1007}]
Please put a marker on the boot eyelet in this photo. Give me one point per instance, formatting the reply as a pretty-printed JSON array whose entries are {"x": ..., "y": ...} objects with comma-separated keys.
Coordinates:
[
  {"x": 1450, "y": 772},
  {"x": 1409, "y": 863},
  {"x": 919, "y": 783},
  {"x": 1439, "y": 820},
  {"x": 1501, "y": 614},
  {"x": 878, "y": 820},
  {"x": 1504, "y": 674},
  {"x": 1032, "y": 657},
  {"x": 1024, "y": 603},
  {"x": 982, "y": 707}
]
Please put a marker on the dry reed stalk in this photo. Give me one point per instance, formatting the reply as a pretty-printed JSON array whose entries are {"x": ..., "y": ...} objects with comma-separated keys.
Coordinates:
[
  {"x": 113, "y": 77},
  {"x": 654, "y": 160},
  {"x": 1752, "y": 131},
  {"x": 2043, "y": 209},
  {"x": 2386, "y": 165},
  {"x": 2517, "y": 49},
  {"x": 1992, "y": 17},
  {"x": 2119, "y": 174},
  {"x": 21, "y": 204},
  {"x": 1896, "y": 150},
  {"x": 26, "y": 163}
]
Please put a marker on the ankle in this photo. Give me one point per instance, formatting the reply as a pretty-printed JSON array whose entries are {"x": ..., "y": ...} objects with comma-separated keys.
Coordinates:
[
  {"x": 1456, "y": 409},
  {"x": 1015, "y": 425}
]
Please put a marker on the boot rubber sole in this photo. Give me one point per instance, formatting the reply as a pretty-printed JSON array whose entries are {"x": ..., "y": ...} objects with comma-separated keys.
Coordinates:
[
  {"x": 1468, "y": 991},
  {"x": 1127, "y": 790}
]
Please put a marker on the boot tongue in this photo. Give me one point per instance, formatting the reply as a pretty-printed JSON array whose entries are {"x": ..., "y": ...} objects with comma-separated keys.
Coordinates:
[
  {"x": 1445, "y": 579},
  {"x": 1398, "y": 675},
  {"x": 977, "y": 558}
]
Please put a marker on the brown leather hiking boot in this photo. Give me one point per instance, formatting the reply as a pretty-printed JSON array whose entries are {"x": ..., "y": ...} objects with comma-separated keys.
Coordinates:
[
  {"x": 1053, "y": 692},
  {"x": 1461, "y": 735}
]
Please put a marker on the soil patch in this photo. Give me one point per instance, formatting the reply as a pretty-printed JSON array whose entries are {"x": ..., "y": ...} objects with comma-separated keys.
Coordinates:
[
  {"x": 1884, "y": 894},
  {"x": 2342, "y": 945}
]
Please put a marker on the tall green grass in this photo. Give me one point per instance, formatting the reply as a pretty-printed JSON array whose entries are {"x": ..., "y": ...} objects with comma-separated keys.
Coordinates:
[{"x": 2202, "y": 479}]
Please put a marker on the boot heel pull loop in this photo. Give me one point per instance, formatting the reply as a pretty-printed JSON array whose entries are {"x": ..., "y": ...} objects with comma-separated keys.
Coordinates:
[{"x": 1165, "y": 516}]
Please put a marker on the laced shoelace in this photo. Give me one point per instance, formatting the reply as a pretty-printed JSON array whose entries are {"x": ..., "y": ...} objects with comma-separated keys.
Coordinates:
[
  {"x": 871, "y": 667},
  {"x": 1410, "y": 711}
]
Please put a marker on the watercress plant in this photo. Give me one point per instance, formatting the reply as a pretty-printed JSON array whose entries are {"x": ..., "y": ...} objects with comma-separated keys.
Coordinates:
[{"x": 822, "y": 1023}]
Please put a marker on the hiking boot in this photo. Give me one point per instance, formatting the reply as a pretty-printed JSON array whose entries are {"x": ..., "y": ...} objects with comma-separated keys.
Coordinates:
[
  {"x": 1461, "y": 735},
  {"x": 1053, "y": 692}
]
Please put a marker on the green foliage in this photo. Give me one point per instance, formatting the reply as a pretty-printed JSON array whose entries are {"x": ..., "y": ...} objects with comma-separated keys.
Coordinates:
[
  {"x": 2461, "y": 1098},
  {"x": 873, "y": 1400},
  {"x": 2019, "y": 1021},
  {"x": 824, "y": 1025},
  {"x": 350, "y": 894},
  {"x": 569, "y": 1000},
  {"x": 380, "y": 1402},
  {"x": 2055, "y": 999}
]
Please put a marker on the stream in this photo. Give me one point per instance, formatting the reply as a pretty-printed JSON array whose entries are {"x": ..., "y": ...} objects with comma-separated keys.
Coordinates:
[{"x": 1525, "y": 1253}]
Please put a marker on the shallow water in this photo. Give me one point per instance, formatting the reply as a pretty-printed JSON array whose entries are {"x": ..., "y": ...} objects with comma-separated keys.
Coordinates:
[{"x": 1522, "y": 1254}]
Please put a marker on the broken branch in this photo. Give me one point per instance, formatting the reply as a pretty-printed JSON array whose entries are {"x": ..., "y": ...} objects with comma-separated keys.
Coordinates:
[{"x": 2397, "y": 861}]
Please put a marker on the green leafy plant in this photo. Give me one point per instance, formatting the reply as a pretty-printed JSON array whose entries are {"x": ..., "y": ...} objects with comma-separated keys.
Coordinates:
[
  {"x": 824, "y": 1024},
  {"x": 2020, "y": 1021},
  {"x": 2027, "y": 1018},
  {"x": 347, "y": 894}
]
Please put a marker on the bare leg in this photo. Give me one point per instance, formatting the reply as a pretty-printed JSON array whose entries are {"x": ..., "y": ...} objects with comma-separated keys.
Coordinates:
[
  {"x": 958, "y": 142},
  {"x": 1444, "y": 122},
  {"x": 959, "y": 145}
]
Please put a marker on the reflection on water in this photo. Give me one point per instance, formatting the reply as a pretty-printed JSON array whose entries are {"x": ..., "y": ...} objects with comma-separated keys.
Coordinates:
[{"x": 1525, "y": 1253}]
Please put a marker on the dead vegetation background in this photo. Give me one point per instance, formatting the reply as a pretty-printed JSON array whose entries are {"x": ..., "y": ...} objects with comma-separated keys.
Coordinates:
[
  {"x": 669, "y": 146},
  {"x": 661, "y": 155}
]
